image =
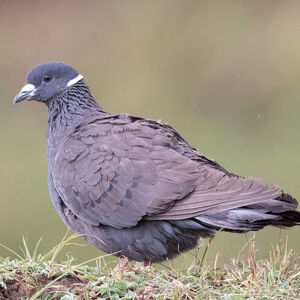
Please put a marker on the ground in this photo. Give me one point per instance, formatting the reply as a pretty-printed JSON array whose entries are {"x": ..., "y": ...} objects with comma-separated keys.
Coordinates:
[{"x": 37, "y": 276}]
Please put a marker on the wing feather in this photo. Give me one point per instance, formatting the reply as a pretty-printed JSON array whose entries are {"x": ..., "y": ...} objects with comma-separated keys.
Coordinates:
[
  {"x": 118, "y": 171},
  {"x": 121, "y": 176}
]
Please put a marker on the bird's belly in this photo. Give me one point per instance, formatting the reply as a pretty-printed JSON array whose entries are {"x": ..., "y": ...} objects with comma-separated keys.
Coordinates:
[{"x": 150, "y": 241}]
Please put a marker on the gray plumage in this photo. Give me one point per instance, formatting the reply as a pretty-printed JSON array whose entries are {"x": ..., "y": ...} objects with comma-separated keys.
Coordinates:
[{"x": 135, "y": 187}]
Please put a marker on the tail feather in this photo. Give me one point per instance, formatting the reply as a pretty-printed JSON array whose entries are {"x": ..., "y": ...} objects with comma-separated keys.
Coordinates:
[
  {"x": 280, "y": 212},
  {"x": 287, "y": 219}
]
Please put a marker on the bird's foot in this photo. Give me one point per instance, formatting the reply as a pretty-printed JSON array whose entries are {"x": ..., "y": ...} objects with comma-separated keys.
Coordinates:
[
  {"x": 122, "y": 265},
  {"x": 147, "y": 264}
]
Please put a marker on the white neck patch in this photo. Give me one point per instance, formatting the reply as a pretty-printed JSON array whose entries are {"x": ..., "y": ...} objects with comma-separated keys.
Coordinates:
[{"x": 74, "y": 80}]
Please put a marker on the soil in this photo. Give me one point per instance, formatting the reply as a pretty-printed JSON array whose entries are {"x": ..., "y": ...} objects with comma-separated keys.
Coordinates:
[{"x": 20, "y": 287}]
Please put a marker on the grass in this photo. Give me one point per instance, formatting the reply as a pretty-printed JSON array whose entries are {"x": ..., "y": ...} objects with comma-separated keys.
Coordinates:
[{"x": 30, "y": 275}]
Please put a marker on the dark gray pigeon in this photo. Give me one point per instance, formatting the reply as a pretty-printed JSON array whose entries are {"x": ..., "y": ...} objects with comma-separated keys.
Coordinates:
[{"x": 134, "y": 187}]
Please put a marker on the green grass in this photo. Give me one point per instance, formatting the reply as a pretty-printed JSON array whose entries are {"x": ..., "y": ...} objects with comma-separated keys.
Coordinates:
[{"x": 30, "y": 275}]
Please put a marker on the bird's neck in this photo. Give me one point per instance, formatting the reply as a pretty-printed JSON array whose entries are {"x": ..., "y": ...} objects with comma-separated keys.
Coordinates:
[{"x": 68, "y": 109}]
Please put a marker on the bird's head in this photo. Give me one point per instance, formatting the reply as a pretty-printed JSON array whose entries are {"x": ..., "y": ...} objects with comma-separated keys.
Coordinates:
[{"x": 46, "y": 80}]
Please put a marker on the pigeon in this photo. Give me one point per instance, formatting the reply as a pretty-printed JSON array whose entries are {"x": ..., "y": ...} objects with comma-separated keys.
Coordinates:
[{"x": 134, "y": 187}]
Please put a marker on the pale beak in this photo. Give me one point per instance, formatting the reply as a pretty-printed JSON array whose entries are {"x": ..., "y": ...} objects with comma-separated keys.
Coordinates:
[{"x": 26, "y": 93}]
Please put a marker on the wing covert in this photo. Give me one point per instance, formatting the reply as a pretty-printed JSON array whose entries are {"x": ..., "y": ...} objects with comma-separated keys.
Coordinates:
[{"x": 115, "y": 175}]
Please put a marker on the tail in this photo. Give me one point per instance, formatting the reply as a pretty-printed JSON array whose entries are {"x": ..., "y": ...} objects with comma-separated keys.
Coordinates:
[{"x": 279, "y": 212}]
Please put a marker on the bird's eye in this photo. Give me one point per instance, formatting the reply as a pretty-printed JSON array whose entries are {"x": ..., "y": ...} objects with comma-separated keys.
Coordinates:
[{"x": 47, "y": 78}]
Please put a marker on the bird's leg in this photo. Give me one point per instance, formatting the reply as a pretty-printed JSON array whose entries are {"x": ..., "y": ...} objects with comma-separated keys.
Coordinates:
[
  {"x": 147, "y": 263},
  {"x": 122, "y": 265}
]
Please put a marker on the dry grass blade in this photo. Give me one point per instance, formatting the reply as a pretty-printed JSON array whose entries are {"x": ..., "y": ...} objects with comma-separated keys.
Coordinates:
[{"x": 38, "y": 276}]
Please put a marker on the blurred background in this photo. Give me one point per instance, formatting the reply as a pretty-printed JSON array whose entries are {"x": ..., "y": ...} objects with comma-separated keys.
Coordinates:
[{"x": 225, "y": 74}]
